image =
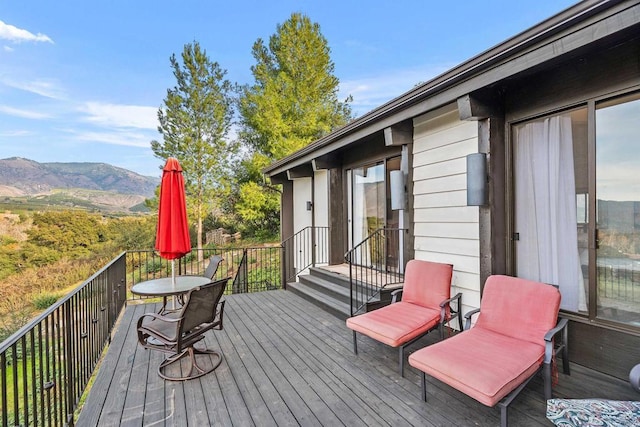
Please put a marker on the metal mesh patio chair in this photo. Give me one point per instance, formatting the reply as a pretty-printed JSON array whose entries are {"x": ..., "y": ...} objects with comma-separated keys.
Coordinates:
[{"x": 177, "y": 333}]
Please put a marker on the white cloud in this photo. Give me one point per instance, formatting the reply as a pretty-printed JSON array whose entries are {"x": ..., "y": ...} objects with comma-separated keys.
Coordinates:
[
  {"x": 48, "y": 88},
  {"x": 129, "y": 139},
  {"x": 8, "y": 48},
  {"x": 15, "y": 133},
  {"x": 121, "y": 116},
  {"x": 360, "y": 46},
  {"x": 18, "y": 35},
  {"x": 26, "y": 114},
  {"x": 373, "y": 91}
]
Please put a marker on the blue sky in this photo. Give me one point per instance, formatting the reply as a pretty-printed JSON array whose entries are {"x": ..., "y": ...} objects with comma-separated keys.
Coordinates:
[{"x": 82, "y": 81}]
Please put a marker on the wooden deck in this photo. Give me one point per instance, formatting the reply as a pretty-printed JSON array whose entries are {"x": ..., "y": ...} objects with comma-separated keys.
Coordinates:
[{"x": 287, "y": 362}]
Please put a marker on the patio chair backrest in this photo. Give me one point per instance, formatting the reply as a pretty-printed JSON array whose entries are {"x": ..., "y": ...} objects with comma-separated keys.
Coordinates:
[
  {"x": 427, "y": 283},
  {"x": 201, "y": 305},
  {"x": 518, "y": 308},
  {"x": 212, "y": 268}
]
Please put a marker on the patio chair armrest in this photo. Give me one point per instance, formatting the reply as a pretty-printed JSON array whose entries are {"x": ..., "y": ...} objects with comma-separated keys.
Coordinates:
[
  {"x": 395, "y": 295},
  {"x": 548, "y": 339},
  {"x": 468, "y": 317},
  {"x": 220, "y": 316},
  {"x": 156, "y": 316}
]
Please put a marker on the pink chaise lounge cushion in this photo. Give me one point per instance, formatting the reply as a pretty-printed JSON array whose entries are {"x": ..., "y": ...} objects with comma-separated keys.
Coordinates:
[
  {"x": 519, "y": 308},
  {"x": 426, "y": 285},
  {"x": 396, "y": 323},
  {"x": 480, "y": 363},
  {"x": 505, "y": 347}
]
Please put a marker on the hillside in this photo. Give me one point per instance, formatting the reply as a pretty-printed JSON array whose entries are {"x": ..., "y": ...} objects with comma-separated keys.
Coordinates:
[{"x": 92, "y": 186}]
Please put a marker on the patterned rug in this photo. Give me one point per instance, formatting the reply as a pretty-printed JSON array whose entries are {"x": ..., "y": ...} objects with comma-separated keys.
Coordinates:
[{"x": 593, "y": 412}]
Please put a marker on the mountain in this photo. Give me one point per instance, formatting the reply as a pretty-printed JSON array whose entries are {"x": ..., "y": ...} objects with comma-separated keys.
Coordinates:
[
  {"x": 88, "y": 185},
  {"x": 32, "y": 178}
]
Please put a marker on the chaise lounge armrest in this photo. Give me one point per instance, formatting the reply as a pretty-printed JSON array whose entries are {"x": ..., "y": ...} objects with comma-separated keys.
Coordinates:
[
  {"x": 452, "y": 313},
  {"x": 552, "y": 348},
  {"x": 548, "y": 339},
  {"x": 468, "y": 317},
  {"x": 395, "y": 295}
]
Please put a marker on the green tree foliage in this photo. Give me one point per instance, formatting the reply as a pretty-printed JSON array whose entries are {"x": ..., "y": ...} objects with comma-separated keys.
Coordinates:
[
  {"x": 136, "y": 233},
  {"x": 194, "y": 123},
  {"x": 293, "y": 102},
  {"x": 70, "y": 233},
  {"x": 294, "y": 99}
]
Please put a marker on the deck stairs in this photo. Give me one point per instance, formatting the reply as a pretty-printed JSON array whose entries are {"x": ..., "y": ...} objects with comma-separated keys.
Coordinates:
[{"x": 328, "y": 288}]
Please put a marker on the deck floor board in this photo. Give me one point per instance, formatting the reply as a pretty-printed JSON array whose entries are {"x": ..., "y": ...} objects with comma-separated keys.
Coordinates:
[{"x": 287, "y": 362}]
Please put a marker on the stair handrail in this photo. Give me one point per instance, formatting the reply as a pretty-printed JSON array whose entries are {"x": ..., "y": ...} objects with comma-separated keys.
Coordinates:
[
  {"x": 368, "y": 279},
  {"x": 306, "y": 248}
]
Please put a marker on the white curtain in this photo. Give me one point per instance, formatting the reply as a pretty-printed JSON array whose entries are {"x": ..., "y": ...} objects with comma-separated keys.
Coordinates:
[
  {"x": 360, "y": 231},
  {"x": 547, "y": 249}
]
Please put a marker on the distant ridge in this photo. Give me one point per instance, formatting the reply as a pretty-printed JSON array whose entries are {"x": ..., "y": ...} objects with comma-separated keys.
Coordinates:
[{"x": 28, "y": 177}]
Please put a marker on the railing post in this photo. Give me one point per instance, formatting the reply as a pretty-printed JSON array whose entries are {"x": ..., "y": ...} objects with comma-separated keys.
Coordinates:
[
  {"x": 69, "y": 358},
  {"x": 313, "y": 246},
  {"x": 283, "y": 266}
]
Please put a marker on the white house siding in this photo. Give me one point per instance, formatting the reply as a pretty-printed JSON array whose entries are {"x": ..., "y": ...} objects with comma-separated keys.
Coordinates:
[{"x": 446, "y": 229}]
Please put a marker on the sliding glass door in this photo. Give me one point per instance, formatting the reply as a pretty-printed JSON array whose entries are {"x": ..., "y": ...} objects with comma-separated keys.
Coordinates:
[
  {"x": 577, "y": 207},
  {"x": 366, "y": 209},
  {"x": 369, "y": 209},
  {"x": 550, "y": 164}
]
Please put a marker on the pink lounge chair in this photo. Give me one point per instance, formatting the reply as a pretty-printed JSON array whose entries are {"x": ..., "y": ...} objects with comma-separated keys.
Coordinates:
[
  {"x": 425, "y": 306},
  {"x": 512, "y": 340}
]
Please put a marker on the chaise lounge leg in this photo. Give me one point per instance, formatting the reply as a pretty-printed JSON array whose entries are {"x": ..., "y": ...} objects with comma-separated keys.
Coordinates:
[
  {"x": 424, "y": 387},
  {"x": 565, "y": 351},
  {"x": 504, "y": 416},
  {"x": 355, "y": 343},
  {"x": 401, "y": 360},
  {"x": 546, "y": 373}
]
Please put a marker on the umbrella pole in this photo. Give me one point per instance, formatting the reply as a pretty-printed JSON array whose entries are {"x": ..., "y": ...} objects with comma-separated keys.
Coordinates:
[{"x": 173, "y": 282}]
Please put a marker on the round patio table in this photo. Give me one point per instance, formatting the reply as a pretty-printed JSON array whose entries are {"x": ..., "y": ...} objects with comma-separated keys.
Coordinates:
[{"x": 165, "y": 287}]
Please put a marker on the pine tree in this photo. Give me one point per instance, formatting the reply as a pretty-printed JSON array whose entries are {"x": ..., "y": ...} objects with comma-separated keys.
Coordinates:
[{"x": 194, "y": 123}]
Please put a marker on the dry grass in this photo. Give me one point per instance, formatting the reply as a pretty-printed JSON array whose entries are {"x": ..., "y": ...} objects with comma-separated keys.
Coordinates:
[
  {"x": 19, "y": 291},
  {"x": 12, "y": 228}
]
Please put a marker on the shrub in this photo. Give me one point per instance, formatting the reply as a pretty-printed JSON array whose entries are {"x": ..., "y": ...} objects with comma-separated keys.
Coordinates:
[
  {"x": 44, "y": 300},
  {"x": 154, "y": 265}
]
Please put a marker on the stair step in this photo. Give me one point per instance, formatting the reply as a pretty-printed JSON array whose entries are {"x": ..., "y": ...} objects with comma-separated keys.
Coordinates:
[
  {"x": 337, "y": 308},
  {"x": 333, "y": 277},
  {"x": 326, "y": 287}
]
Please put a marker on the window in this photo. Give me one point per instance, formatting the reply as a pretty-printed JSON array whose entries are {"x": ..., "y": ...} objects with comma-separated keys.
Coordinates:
[{"x": 617, "y": 155}]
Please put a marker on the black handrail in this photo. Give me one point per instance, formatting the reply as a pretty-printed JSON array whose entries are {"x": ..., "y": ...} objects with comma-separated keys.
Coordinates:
[
  {"x": 374, "y": 264},
  {"x": 52, "y": 358},
  {"x": 307, "y": 248}
]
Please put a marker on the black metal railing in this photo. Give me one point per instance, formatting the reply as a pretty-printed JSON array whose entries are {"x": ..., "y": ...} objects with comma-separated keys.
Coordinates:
[
  {"x": 374, "y": 264},
  {"x": 619, "y": 280},
  {"x": 307, "y": 248},
  {"x": 252, "y": 269},
  {"x": 46, "y": 365}
]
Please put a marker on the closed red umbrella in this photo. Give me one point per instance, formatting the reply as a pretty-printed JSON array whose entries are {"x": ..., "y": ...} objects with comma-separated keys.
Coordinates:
[{"x": 172, "y": 233}]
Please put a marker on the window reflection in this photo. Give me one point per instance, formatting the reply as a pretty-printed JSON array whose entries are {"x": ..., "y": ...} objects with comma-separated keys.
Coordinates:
[{"x": 618, "y": 209}]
